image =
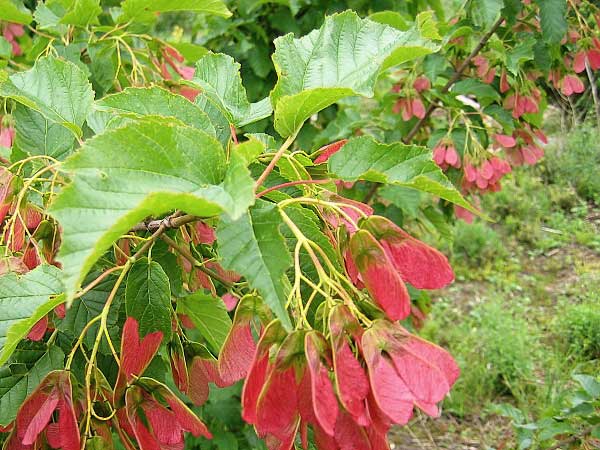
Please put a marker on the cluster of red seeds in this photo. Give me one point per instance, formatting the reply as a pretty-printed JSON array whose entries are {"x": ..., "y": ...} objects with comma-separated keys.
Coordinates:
[
  {"x": 410, "y": 104},
  {"x": 10, "y": 32}
]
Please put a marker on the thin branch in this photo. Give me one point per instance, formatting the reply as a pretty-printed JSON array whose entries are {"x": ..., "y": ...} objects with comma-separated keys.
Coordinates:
[
  {"x": 194, "y": 262},
  {"x": 168, "y": 222},
  {"x": 432, "y": 106},
  {"x": 164, "y": 226},
  {"x": 288, "y": 142},
  {"x": 484, "y": 40},
  {"x": 594, "y": 90}
]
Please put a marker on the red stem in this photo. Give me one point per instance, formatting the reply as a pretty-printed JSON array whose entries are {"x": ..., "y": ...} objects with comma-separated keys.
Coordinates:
[
  {"x": 233, "y": 134},
  {"x": 288, "y": 184}
]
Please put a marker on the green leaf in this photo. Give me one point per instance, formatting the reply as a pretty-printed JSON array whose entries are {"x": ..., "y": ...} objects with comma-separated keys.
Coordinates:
[
  {"x": 511, "y": 10},
  {"x": 391, "y": 18},
  {"x": 145, "y": 10},
  {"x": 15, "y": 11},
  {"x": 407, "y": 199},
  {"x": 342, "y": 58},
  {"x": 5, "y": 48},
  {"x": 485, "y": 12},
  {"x": 218, "y": 78},
  {"x": 16, "y": 387},
  {"x": 363, "y": 158},
  {"x": 254, "y": 247},
  {"x": 154, "y": 101},
  {"x": 521, "y": 53},
  {"x": 428, "y": 26},
  {"x": 589, "y": 384},
  {"x": 82, "y": 13},
  {"x": 56, "y": 89},
  {"x": 24, "y": 301},
  {"x": 148, "y": 297},
  {"x": 48, "y": 15},
  {"x": 209, "y": 315},
  {"x": 36, "y": 135},
  {"x": 553, "y": 20},
  {"x": 122, "y": 176}
]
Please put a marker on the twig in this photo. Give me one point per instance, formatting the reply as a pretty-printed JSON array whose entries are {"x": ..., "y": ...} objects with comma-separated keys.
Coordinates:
[
  {"x": 455, "y": 78},
  {"x": 288, "y": 142},
  {"x": 187, "y": 255},
  {"x": 164, "y": 226},
  {"x": 168, "y": 222},
  {"x": 233, "y": 134},
  {"x": 594, "y": 90},
  {"x": 457, "y": 74}
]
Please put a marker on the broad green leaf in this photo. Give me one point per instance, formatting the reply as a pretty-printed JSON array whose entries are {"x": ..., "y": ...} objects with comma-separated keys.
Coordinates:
[
  {"x": 407, "y": 199},
  {"x": 24, "y": 300},
  {"x": 14, "y": 11},
  {"x": 82, "y": 13},
  {"x": 209, "y": 315},
  {"x": 148, "y": 297},
  {"x": 154, "y": 101},
  {"x": 363, "y": 158},
  {"x": 253, "y": 246},
  {"x": 56, "y": 89},
  {"x": 342, "y": 58},
  {"x": 122, "y": 176},
  {"x": 220, "y": 83},
  {"x": 15, "y": 386},
  {"x": 553, "y": 19},
  {"x": 485, "y": 12},
  {"x": 103, "y": 66},
  {"x": 145, "y": 10}
]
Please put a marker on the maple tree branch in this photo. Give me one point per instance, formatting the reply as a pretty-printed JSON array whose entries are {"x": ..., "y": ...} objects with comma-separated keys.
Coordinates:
[
  {"x": 168, "y": 222},
  {"x": 432, "y": 106},
  {"x": 457, "y": 74}
]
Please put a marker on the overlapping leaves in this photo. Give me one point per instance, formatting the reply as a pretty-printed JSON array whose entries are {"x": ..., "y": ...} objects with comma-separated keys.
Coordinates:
[
  {"x": 25, "y": 300},
  {"x": 142, "y": 169}
]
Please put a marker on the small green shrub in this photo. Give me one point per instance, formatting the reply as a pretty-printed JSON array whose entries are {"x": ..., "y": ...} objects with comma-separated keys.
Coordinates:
[
  {"x": 579, "y": 330},
  {"x": 476, "y": 244}
]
